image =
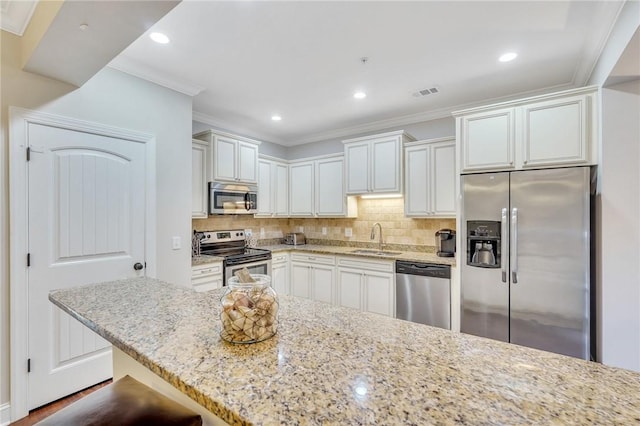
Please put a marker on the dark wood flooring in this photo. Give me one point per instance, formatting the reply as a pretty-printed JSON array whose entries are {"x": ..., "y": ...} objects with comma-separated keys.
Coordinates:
[{"x": 46, "y": 410}]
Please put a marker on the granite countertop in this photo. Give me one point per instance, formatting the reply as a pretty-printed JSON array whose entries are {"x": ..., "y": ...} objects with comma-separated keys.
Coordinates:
[
  {"x": 333, "y": 365},
  {"x": 204, "y": 259},
  {"x": 348, "y": 251}
]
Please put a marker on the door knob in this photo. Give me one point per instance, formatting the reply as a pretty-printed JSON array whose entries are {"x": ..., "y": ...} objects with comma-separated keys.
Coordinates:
[{"x": 138, "y": 266}]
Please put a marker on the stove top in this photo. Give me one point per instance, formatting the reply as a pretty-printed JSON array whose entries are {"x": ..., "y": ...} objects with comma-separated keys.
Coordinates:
[{"x": 231, "y": 245}]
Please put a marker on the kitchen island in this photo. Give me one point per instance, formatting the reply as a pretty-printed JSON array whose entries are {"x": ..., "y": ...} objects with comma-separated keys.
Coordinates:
[{"x": 333, "y": 365}]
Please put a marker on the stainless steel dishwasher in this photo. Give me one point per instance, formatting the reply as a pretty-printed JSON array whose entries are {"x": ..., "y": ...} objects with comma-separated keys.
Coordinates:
[{"x": 423, "y": 293}]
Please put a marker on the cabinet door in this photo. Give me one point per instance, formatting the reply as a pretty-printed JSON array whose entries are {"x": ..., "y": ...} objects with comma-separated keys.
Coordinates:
[
  {"x": 281, "y": 186},
  {"x": 199, "y": 151},
  {"x": 301, "y": 189},
  {"x": 224, "y": 158},
  {"x": 349, "y": 288},
  {"x": 280, "y": 278},
  {"x": 330, "y": 196},
  {"x": 265, "y": 188},
  {"x": 379, "y": 293},
  {"x": 442, "y": 182},
  {"x": 357, "y": 167},
  {"x": 416, "y": 202},
  {"x": 322, "y": 283},
  {"x": 247, "y": 157},
  {"x": 556, "y": 132},
  {"x": 385, "y": 165},
  {"x": 300, "y": 280},
  {"x": 488, "y": 140}
]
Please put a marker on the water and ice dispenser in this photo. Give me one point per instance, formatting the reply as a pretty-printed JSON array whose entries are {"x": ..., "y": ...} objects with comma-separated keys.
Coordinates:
[{"x": 483, "y": 243}]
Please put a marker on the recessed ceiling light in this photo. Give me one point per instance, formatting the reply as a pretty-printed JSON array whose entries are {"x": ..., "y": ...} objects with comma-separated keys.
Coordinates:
[
  {"x": 359, "y": 95},
  {"x": 276, "y": 118},
  {"x": 83, "y": 26},
  {"x": 508, "y": 57},
  {"x": 159, "y": 38}
]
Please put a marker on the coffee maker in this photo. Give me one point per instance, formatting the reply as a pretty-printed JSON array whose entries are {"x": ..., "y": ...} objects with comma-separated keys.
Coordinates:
[
  {"x": 483, "y": 243},
  {"x": 446, "y": 243}
]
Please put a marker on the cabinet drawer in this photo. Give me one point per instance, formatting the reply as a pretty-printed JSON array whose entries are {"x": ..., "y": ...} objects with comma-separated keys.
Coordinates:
[
  {"x": 370, "y": 265},
  {"x": 207, "y": 283},
  {"x": 313, "y": 258},
  {"x": 279, "y": 258},
  {"x": 207, "y": 269}
]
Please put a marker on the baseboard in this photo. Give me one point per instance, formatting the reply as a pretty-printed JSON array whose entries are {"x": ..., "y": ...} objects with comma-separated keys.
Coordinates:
[{"x": 5, "y": 414}]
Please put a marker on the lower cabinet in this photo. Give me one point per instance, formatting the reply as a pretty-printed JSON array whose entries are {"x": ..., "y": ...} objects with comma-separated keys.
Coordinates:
[
  {"x": 366, "y": 285},
  {"x": 207, "y": 276},
  {"x": 280, "y": 273},
  {"x": 312, "y": 276}
]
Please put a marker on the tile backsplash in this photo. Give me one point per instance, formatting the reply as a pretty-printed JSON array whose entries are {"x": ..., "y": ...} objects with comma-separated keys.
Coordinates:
[{"x": 396, "y": 228}]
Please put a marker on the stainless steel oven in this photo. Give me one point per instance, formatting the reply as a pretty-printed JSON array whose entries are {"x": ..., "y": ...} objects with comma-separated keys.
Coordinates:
[{"x": 231, "y": 246}]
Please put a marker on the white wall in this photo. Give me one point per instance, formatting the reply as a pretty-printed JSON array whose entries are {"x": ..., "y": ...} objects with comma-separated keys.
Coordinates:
[
  {"x": 120, "y": 100},
  {"x": 620, "y": 226}
]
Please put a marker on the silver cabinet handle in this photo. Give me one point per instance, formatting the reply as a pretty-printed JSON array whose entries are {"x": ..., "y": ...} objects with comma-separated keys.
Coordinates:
[
  {"x": 504, "y": 244},
  {"x": 514, "y": 245}
]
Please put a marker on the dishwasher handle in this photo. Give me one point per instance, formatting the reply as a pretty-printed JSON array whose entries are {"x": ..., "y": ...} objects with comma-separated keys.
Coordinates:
[{"x": 423, "y": 269}]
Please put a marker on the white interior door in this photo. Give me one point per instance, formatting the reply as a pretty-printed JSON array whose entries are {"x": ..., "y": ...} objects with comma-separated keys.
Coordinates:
[{"x": 86, "y": 202}]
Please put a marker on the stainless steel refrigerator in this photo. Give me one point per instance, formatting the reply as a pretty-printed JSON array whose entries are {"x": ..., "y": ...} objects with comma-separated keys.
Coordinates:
[{"x": 526, "y": 259}]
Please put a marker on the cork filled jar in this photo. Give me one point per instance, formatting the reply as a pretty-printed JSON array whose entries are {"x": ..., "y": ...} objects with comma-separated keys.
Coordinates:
[{"x": 249, "y": 310}]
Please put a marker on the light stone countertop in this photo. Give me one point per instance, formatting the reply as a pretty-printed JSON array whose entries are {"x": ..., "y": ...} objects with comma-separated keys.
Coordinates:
[
  {"x": 338, "y": 366},
  {"x": 204, "y": 259},
  {"x": 349, "y": 251}
]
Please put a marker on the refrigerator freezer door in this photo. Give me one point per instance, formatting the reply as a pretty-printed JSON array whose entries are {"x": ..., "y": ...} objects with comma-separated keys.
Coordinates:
[
  {"x": 550, "y": 301},
  {"x": 484, "y": 296}
]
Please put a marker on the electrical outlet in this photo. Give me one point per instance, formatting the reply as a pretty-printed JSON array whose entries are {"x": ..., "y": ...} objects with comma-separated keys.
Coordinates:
[
  {"x": 248, "y": 232},
  {"x": 324, "y": 230},
  {"x": 300, "y": 228},
  {"x": 176, "y": 243},
  {"x": 261, "y": 232},
  {"x": 348, "y": 232}
]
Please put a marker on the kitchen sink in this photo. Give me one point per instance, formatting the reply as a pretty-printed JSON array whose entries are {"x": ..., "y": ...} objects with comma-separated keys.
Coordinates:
[{"x": 375, "y": 252}]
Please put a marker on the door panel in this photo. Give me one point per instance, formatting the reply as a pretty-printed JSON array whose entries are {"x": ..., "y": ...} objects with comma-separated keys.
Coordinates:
[
  {"x": 550, "y": 301},
  {"x": 484, "y": 296},
  {"x": 86, "y": 225}
]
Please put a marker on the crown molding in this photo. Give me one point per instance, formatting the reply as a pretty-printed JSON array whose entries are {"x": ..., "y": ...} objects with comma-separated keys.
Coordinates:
[
  {"x": 15, "y": 15},
  {"x": 132, "y": 67}
]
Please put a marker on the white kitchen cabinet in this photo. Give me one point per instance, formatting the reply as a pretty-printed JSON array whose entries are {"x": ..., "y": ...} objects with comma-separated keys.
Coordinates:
[
  {"x": 368, "y": 285},
  {"x": 313, "y": 276},
  {"x": 273, "y": 188},
  {"x": 206, "y": 276},
  {"x": 430, "y": 176},
  {"x": 374, "y": 163},
  {"x": 316, "y": 189},
  {"x": 301, "y": 192},
  {"x": 552, "y": 130},
  {"x": 280, "y": 273},
  {"x": 233, "y": 159},
  {"x": 199, "y": 179}
]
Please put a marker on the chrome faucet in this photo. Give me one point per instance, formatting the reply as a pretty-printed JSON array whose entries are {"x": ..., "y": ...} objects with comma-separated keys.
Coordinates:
[{"x": 373, "y": 234}]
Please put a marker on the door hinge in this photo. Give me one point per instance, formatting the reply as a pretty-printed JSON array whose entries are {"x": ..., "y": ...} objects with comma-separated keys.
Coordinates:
[
  {"x": 28, "y": 153},
  {"x": 28, "y": 259},
  {"x": 29, "y": 365}
]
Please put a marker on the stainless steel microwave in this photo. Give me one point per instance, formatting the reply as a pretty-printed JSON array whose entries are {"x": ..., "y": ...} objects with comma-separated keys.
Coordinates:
[{"x": 232, "y": 198}]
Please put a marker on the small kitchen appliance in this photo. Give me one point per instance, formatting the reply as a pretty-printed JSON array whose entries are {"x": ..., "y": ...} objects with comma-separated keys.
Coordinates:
[
  {"x": 295, "y": 239},
  {"x": 232, "y": 247},
  {"x": 446, "y": 243}
]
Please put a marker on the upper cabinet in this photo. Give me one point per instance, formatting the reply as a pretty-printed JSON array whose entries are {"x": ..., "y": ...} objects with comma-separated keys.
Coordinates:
[
  {"x": 199, "y": 178},
  {"x": 374, "y": 163},
  {"x": 316, "y": 189},
  {"x": 430, "y": 177},
  {"x": 273, "y": 188},
  {"x": 233, "y": 159},
  {"x": 545, "y": 131}
]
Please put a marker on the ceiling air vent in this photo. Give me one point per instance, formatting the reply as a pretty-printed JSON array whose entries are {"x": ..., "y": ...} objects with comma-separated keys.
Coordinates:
[{"x": 425, "y": 92}]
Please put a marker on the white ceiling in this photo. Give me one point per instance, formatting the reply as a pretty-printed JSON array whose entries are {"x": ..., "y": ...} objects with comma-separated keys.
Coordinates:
[{"x": 247, "y": 60}]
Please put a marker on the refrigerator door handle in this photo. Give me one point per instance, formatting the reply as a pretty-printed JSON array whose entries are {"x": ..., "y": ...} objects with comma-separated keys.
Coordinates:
[
  {"x": 514, "y": 245},
  {"x": 504, "y": 250}
]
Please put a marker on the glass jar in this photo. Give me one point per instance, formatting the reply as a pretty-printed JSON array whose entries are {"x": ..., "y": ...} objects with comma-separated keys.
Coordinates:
[{"x": 249, "y": 310}]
